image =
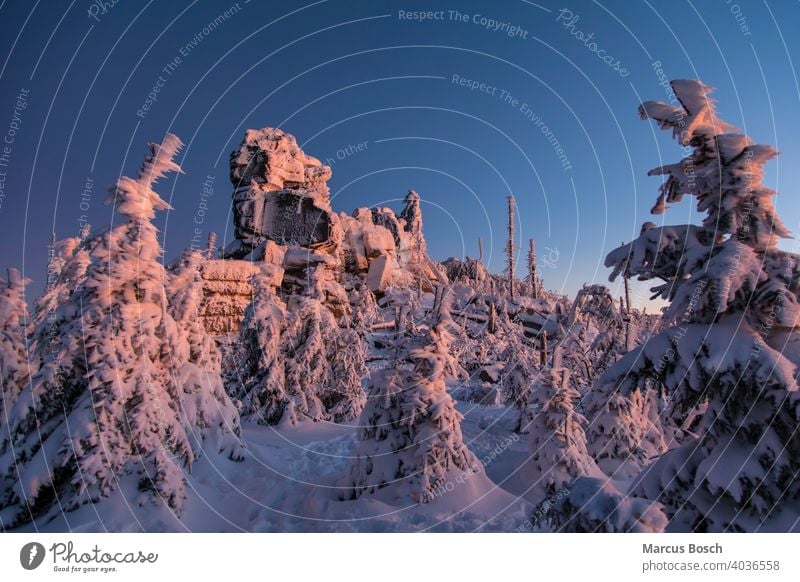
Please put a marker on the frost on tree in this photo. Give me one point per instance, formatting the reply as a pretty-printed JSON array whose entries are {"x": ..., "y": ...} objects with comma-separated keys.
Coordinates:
[
  {"x": 556, "y": 442},
  {"x": 593, "y": 505},
  {"x": 118, "y": 395},
  {"x": 615, "y": 434},
  {"x": 66, "y": 272},
  {"x": 592, "y": 315},
  {"x": 298, "y": 363},
  {"x": 731, "y": 342},
  {"x": 570, "y": 492},
  {"x": 259, "y": 377},
  {"x": 344, "y": 396},
  {"x": 410, "y": 440},
  {"x": 308, "y": 368},
  {"x": 518, "y": 377},
  {"x": 14, "y": 364},
  {"x": 196, "y": 357},
  {"x": 185, "y": 298},
  {"x": 364, "y": 310},
  {"x": 66, "y": 269}
]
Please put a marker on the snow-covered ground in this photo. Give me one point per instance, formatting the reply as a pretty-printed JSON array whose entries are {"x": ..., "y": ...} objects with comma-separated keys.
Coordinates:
[{"x": 288, "y": 482}]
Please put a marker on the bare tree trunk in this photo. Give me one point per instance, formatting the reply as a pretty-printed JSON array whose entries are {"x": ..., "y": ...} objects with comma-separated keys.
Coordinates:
[
  {"x": 543, "y": 350},
  {"x": 532, "y": 275},
  {"x": 510, "y": 246},
  {"x": 558, "y": 356},
  {"x": 211, "y": 247},
  {"x": 627, "y": 294},
  {"x": 627, "y": 315}
]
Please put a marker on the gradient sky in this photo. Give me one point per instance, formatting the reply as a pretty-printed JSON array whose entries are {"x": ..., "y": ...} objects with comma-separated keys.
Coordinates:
[{"x": 341, "y": 73}]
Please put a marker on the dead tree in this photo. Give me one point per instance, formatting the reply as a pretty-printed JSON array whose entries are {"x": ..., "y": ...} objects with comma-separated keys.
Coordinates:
[
  {"x": 543, "y": 350},
  {"x": 532, "y": 276},
  {"x": 211, "y": 247},
  {"x": 510, "y": 246}
]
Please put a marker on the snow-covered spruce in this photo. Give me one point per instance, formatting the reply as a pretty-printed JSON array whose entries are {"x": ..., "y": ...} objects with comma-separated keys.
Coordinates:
[
  {"x": 341, "y": 391},
  {"x": 14, "y": 360},
  {"x": 67, "y": 262},
  {"x": 185, "y": 298},
  {"x": 593, "y": 505},
  {"x": 258, "y": 376},
  {"x": 556, "y": 442},
  {"x": 437, "y": 345},
  {"x": 298, "y": 364},
  {"x": 117, "y": 395},
  {"x": 571, "y": 352},
  {"x": 615, "y": 435},
  {"x": 518, "y": 377},
  {"x": 410, "y": 440},
  {"x": 733, "y": 345},
  {"x": 307, "y": 366},
  {"x": 199, "y": 374},
  {"x": 594, "y": 315},
  {"x": 364, "y": 312},
  {"x": 66, "y": 272},
  {"x": 656, "y": 436},
  {"x": 344, "y": 396}
]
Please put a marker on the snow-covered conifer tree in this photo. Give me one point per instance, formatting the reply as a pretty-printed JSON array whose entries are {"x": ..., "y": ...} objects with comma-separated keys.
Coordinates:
[
  {"x": 200, "y": 372},
  {"x": 258, "y": 378},
  {"x": 185, "y": 298},
  {"x": 344, "y": 396},
  {"x": 308, "y": 369},
  {"x": 440, "y": 336},
  {"x": 410, "y": 436},
  {"x": 14, "y": 365},
  {"x": 117, "y": 395},
  {"x": 518, "y": 376},
  {"x": 364, "y": 312},
  {"x": 615, "y": 435},
  {"x": 656, "y": 437},
  {"x": 596, "y": 505},
  {"x": 731, "y": 329},
  {"x": 556, "y": 442},
  {"x": 66, "y": 271},
  {"x": 323, "y": 363}
]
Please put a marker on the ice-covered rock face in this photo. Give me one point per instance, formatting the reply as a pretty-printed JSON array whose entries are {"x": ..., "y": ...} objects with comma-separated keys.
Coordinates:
[
  {"x": 272, "y": 159},
  {"x": 412, "y": 214},
  {"x": 280, "y": 194},
  {"x": 282, "y": 215},
  {"x": 293, "y": 218},
  {"x": 227, "y": 292},
  {"x": 395, "y": 239}
]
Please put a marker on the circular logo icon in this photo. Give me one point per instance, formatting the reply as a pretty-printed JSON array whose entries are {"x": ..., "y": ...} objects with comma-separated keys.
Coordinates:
[{"x": 31, "y": 555}]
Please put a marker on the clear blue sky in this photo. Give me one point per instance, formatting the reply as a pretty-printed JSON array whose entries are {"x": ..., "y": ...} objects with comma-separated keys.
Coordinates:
[{"x": 340, "y": 73}]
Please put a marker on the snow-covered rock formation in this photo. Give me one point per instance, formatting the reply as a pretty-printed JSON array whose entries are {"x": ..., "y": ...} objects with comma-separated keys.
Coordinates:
[
  {"x": 227, "y": 291},
  {"x": 282, "y": 214},
  {"x": 280, "y": 194}
]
